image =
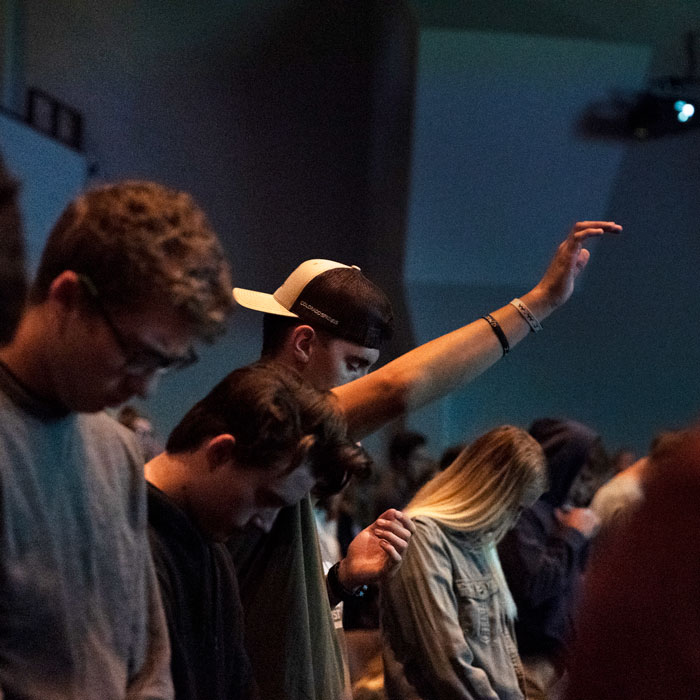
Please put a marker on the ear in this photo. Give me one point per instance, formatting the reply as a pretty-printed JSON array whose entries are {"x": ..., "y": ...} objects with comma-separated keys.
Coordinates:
[
  {"x": 302, "y": 340},
  {"x": 219, "y": 450},
  {"x": 66, "y": 290}
]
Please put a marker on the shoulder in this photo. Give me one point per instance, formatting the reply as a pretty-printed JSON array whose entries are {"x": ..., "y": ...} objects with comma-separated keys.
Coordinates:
[
  {"x": 170, "y": 529},
  {"x": 111, "y": 456},
  {"x": 430, "y": 547},
  {"x": 180, "y": 554},
  {"x": 536, "y": 522},
  {"x": 427, "y": 529},
  {"x": 109, "y": 443},
  {"x": 103, "y": 427}
]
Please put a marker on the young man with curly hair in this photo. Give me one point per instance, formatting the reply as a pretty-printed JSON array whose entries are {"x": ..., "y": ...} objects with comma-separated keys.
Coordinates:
[{"x": 130, "y": 277}]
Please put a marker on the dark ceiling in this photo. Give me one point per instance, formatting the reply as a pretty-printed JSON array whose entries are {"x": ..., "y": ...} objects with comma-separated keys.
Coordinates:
[{"x": 662, "y": 24}]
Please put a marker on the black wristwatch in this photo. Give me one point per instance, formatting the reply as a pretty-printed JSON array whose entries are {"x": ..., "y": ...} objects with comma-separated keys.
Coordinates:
[{"x": 336, "y": 588}]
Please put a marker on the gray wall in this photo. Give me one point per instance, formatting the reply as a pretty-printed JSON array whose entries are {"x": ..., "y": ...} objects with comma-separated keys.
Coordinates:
[{"x": 499, "y": 169}]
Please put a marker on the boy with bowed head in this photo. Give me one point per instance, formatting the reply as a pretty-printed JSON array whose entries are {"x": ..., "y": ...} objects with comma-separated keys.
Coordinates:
[{"x": 258, "y": 442}]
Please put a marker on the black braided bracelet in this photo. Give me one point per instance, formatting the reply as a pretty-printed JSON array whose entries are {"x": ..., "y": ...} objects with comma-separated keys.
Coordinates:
[{"x": 499, "y": 332}]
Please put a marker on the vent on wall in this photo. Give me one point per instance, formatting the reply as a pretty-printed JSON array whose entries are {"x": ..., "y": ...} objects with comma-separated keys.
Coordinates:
[{"x": 52, "y": 117}]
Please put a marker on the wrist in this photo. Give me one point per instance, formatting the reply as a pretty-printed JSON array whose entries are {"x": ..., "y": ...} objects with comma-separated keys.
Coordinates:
[
  {"x": 344, "y": 577},
  {"x": 339, "y": 587},
  {"x": 539, "y": 302},
  {"x": 524, "y": 310}
]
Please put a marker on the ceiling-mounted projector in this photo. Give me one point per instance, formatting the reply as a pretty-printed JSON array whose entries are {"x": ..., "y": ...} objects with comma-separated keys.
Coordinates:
[
  {"x": 669, "y": 105},
  {"x": 664, "y": 111}
]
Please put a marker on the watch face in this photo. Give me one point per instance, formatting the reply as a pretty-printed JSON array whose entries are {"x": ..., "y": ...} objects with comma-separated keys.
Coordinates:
[{"x": 338, "y": 590}]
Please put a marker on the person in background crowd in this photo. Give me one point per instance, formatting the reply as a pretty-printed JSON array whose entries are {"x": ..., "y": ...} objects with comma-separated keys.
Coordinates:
[
  {"x": 544, "y": 555},
  {"x": 623, "y": 459},
  {"x": 130, "y": 277},
  {"x": 408, "y": 468},
  {"x": 615, "y": 502},
  {"x": 449, "y": 455},
  {"x": 447, "y": 615},
  {"x": 142, "y": 427}
]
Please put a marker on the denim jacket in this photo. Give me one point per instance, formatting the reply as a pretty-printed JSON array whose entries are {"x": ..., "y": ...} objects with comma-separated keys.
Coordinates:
[{"x": 446, "y": 634}]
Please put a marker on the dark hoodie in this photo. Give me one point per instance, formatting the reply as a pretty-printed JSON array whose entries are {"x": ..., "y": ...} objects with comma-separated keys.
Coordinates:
[{"x": 543, "y": 560}]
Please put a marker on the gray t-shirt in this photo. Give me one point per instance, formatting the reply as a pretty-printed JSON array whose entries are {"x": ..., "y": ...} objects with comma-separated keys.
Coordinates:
[{"x": 80, "y": 611}]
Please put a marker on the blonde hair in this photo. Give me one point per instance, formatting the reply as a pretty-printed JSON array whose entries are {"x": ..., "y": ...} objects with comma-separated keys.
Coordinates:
[{"x": 483, "y": 489}]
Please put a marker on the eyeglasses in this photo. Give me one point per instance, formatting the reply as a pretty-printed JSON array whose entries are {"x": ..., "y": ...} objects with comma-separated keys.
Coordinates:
[{"x": 139, "y": 358}]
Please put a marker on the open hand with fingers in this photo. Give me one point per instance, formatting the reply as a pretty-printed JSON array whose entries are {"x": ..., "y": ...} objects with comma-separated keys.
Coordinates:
[
  {"x": 377, "y": 551},
  {"x": 557, "y": 284}
]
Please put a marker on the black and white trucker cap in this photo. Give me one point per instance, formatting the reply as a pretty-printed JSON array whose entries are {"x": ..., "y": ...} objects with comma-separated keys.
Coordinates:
[{"x": 329, "y": 295}]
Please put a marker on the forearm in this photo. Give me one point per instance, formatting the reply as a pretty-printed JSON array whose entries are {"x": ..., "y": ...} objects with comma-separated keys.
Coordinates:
[
  {"x": 432, "y": 370},
  {"x": 436, "y": 368}
]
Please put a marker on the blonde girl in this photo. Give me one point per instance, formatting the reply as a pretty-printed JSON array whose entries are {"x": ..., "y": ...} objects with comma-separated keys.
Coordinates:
[{"x": 447, "y": 615}]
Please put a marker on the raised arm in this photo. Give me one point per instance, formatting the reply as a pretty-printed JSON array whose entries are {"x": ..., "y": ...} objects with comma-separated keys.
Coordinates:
[{"x": 436, "y": 368}]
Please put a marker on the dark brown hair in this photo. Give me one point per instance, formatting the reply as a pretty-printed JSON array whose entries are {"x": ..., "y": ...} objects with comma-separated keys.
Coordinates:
[{"x": 272, "y": 412}]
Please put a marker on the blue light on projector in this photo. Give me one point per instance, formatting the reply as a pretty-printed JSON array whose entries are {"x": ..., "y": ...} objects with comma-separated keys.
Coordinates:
[{"x": 685, "y": 110}]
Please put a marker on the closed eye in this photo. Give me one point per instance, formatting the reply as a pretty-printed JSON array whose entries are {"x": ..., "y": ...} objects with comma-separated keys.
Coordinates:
[{"x": 354, "y": 364}]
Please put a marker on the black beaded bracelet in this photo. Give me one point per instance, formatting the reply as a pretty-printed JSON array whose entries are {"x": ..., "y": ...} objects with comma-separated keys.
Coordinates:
[
  {"x": 499, "y": 332},
  {"x": 338, "y": 590}
]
